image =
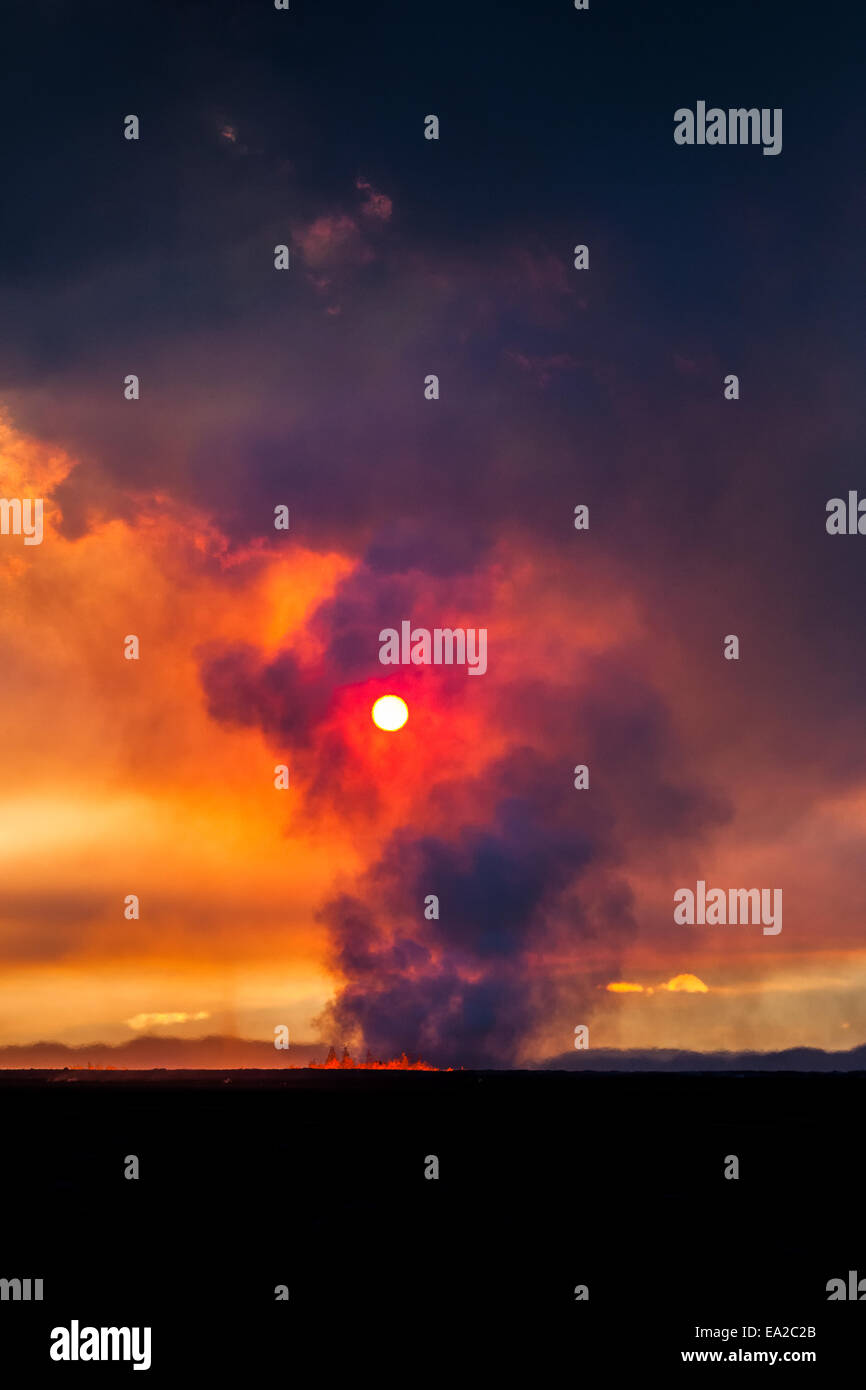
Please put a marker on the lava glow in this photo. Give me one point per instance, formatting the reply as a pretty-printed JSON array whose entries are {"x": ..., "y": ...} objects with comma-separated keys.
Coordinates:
[
  {"x": 348, "y": 1063},
  {"x": 390, "y": 713}
]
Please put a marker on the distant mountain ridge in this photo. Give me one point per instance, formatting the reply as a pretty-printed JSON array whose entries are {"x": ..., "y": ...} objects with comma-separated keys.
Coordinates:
[
  {"x": 148, "y": 1050},
  {"x": 672, "y": 1059},
  {"x": 223, "y": 1053}
]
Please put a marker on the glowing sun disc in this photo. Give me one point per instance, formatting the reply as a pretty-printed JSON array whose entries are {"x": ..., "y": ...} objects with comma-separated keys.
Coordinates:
[{"x": 390, "y": 712}]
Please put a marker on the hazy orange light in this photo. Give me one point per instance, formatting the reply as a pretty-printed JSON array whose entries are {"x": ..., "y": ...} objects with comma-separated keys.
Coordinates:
[{"x": 390, "y": 712}]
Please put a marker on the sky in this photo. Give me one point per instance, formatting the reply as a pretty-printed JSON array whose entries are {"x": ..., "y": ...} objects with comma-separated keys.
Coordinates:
[{"x": 603, "y": 387}]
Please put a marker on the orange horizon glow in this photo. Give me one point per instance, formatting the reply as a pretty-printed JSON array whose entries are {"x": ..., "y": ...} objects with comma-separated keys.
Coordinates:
[{"x": 331, "y": 1063}]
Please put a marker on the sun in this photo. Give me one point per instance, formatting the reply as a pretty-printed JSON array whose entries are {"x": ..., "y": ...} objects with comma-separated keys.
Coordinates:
[{"x": 390, "y": 712}]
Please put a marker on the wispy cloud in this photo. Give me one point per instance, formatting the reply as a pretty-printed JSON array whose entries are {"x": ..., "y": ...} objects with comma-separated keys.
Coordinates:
[
  {"x": 142, "y": 1021},
  {"x": 679, "y": 984}
]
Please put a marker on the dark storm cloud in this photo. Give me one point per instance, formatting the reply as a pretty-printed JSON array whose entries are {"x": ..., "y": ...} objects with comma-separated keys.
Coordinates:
[
  {"x": 459, "y": 990},
  {"x": 252, "y": 394},
  {"x": 410, "y": 544},
  {"x": 556, "y": 386},
  {"x": 462, "y": 989},
  {"x": 284, "y": 696},
  {"x": 401, "y": 995},
  {"x": 493, "y": 880},
  {"x": 438, "y": 1015},
  {"x": 288, "y": 697},
  {"x": 510, "y": 850},
  {"x": 280, "y": 697}
]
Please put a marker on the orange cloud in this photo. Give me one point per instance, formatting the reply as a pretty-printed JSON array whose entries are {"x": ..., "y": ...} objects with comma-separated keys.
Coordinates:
[
  {"x": 686, "y": 984},
  {"x": 376, "y": 205},
  {"x": 679, "y": 984},
  {"x": 334, "y": 240},
  {"x": 141, "y": 1021}
]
